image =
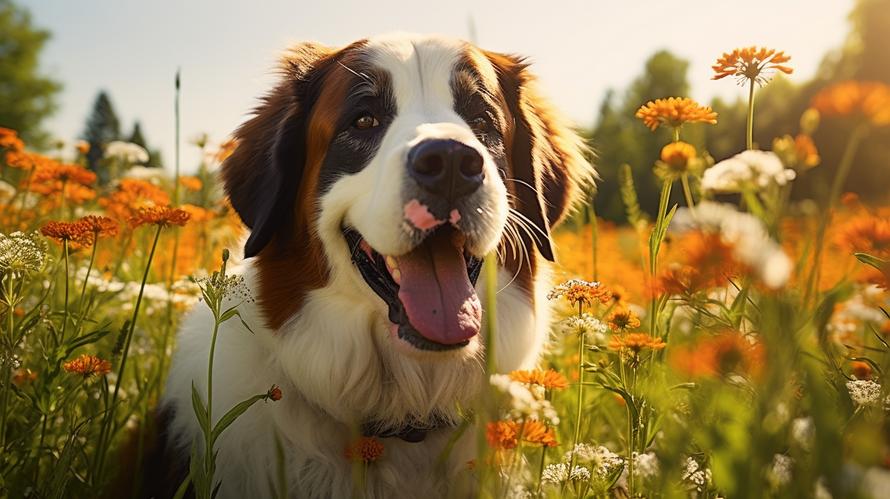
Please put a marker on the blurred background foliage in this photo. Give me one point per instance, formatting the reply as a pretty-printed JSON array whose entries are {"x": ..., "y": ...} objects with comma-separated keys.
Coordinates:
[{"x": 618, "y": 137}]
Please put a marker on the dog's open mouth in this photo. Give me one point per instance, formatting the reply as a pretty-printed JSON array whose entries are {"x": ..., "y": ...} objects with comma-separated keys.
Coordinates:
[{"x": 429, "y": 291}]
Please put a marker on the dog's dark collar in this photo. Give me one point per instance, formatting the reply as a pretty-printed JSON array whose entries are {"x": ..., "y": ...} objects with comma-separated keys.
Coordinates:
[{"x": 410, "y": 432}]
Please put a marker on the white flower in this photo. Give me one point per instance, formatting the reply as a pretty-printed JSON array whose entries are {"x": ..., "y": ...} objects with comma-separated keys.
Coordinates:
[
  {"x": 585, "y": 323},
  {"x": 864, "y": 392},
  {"x": 646, "y": 465},
  {"x": 780, "y": 471},
  {"x": 602, "y": 460},
  {"x": 695, "y": 475},
  {"x": 579, "y": 474},
  {"x": 555, "y": 473},
  {"x": 20, "y": 252},
  {"x": 750, "y": 242},
  {"x": 518, "y": 491},
  {"x": 803, "y": 432},
  {"x": 525, "y": 401},
  {"x": 149, "y": 173},
  {"x": 126, "y": 151},
  {"x": 752, "y": 169}
]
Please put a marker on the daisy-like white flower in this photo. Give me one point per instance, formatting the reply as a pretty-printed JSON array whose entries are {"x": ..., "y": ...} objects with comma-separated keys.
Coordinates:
[
  {"x": 747, "y": 170},
  {"x": 646, "y": 465},
  {"x": 803, "y": 432},
  {"x": 126, "y": 151},
  {"x": 584, "y": 323},
  {"x": 579, "y": 474},
  {"x": 749, "y": 240},
  {"x": 601, "y": 460},
  {"x": 864, "y": 392}
]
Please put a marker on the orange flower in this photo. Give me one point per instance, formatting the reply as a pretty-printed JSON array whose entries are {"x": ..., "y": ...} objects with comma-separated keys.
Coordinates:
[
  {"x": 623, "y": 319},
  {"x": 862, "y": 370},
  {"x": 191, "y": 183},
  {"x": 678, "y": 155},
  {"x": 798, "y": 152},
  {"x": 64, "y": 173},
  {"x": 751, "y": 64},
  {"x": 868, "y": 99},
  {"x": 537, "y": 433},
  {"x": 866, "y": 234},
  {"x": 82, "y": 147},
  {"x": 19, "y": 158},
  {"x": 579, "y": 292},
  {"x": 549, "y": 379},
  {"x": 635, "y": 343},
  {"x": 23, "y": 376},
  {"x": 163, "y": 216},
  {"x": 225, "y": 150},
  {"x": 725, "y": 353},
  {"x": 274, "y": 393},
  {"x": 10, "y": 140},
  {"x": 75, "y": 232},
  {"x": 365, "y": 450},
  {"x": 675, "y": 112},
  {"x": 198, "y": 214},
  {"x": 87, "y": 365},
  {"x": 131, "y": 195},
  {"x": 99, "y": 226},
  {"x": 707, "y": 263},
  {"x": 502, "y": 434}
]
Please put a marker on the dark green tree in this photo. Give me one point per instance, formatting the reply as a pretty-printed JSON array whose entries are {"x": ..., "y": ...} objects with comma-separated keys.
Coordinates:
[
  {"x": 103, "y": 126},
  {"x": 138, "y": 138},
  {"x": 26, "y": 95}
]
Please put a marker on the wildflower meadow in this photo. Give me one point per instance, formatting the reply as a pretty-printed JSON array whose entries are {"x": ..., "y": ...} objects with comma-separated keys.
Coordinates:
[{"x": 735, "y": 344}]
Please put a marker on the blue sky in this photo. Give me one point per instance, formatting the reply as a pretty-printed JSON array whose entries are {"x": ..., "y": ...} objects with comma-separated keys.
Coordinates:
[{"x": 226, "y": 49}]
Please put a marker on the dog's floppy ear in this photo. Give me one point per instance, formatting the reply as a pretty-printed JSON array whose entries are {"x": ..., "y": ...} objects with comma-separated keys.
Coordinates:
[
  {"x": 263, "y": 174},
  {"x": 548, "y": 158}
]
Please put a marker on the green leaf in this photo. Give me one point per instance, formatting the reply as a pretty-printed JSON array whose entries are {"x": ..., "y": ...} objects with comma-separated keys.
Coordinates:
[
  {"x": 873, "y": 261},
  {"x": 628, "y": 399},
  {"x": 200, "y": 411},
  {"x": 232, "y": 415}
]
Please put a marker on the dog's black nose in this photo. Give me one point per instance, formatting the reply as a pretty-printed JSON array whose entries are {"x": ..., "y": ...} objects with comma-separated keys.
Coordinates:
[{"x": 446, "y": 168}]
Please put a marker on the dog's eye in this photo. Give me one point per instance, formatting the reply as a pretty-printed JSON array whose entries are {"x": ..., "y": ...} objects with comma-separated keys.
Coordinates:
[
  {"x": 365, "y": 122},
  {"x": 481, "y": 120}
]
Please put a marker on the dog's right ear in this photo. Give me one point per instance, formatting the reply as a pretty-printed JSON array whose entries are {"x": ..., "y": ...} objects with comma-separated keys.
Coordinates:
[{"x": 263, "y": 174}]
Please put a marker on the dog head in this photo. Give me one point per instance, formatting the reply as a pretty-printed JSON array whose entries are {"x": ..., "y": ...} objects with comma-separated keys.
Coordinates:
[{"x": 396, "y": 164}]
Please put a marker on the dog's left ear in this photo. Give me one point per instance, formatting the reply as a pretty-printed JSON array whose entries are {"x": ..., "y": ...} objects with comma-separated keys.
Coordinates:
[{"x": 549, "y": 159}]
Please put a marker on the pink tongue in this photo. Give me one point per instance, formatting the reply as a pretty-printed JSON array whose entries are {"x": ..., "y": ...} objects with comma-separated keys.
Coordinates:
[{"x": 440, "y": 301}]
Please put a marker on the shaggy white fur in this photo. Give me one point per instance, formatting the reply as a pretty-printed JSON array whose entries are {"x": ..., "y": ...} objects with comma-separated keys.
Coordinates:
[{"x": 336, "y": 367}]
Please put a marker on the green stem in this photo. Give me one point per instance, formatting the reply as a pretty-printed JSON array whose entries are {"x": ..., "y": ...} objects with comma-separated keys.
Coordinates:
[
  {"x": 65, "y": 317},
  {"x": 105, "y": 438},
  {"x": 580, "y": 400},
  {"x": 837, "y": 184},
  {"x": 687, "y": 192},
  {"x": 208, "y": 446},
  {"x": 83, "y": 288},
  {"x": 7, "y": 356},
  {"x": 749, "y": 137}
]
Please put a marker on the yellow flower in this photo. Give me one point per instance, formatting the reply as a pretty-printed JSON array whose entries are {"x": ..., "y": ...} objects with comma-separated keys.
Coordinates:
[
  {"x": 751, "y": 63},
  {"x": 869, "y": 99},
  {"x": 549, "y": 379},
  {"x": 675, "y": 112},
  {"x": 677, "y": 159}
]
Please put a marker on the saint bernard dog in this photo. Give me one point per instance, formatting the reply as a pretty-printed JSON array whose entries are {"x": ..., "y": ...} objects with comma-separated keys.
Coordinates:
[{"x": 374, "y": 179}]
